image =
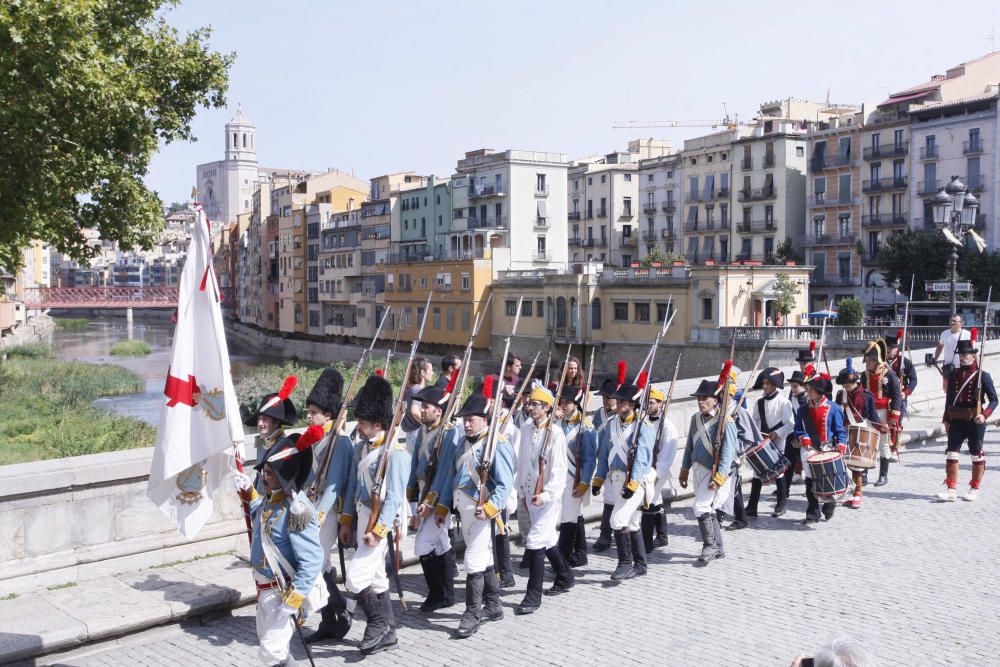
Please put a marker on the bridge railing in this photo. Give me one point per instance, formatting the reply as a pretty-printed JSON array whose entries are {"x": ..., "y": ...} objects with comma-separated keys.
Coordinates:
[
  {"x": 100, "y": 297},
  {"x": 919, "y": 336}
]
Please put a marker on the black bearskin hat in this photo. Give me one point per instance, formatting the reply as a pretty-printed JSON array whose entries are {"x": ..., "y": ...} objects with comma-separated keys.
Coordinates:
[
  {"x": 374, "y": 401},
  {"x": 325, "y": 394}
]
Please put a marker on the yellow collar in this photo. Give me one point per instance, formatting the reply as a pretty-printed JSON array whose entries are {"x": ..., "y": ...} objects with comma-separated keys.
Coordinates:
[
  {"x": 377, "y": 442},
  {"x": 277, "y": 497},
  {"x": 629, "y": 419},
  {"x": 575, "y": 419},
  {"x": 327, "y": 427}
]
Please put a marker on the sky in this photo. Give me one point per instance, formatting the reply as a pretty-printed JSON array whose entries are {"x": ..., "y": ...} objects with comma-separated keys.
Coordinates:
[{"x": 378, "y": 87}]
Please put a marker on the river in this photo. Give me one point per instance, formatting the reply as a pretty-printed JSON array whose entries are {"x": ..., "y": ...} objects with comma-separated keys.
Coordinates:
[{"x": 92, "y": 345}]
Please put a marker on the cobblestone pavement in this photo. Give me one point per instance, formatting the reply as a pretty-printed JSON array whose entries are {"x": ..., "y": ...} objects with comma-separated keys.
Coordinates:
[{"x": 908, "y": 577}]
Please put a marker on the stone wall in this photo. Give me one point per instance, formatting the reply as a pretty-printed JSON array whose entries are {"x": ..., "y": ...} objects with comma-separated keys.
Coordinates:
[{"x": 33, "y": 330}]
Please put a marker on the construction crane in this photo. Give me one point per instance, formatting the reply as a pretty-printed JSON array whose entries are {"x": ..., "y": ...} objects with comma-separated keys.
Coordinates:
[{"x": 727, "y": 123}]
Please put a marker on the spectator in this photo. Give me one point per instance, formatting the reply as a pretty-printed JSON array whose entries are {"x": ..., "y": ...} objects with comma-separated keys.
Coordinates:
[
  {"x": 574, "y": 373},
  {"x": 946, "y": 344},
  {"x": 840, "y": 651},
  {"x": 420, "y": 377},
  {"x": 511, "y": 380},
  {"x": 450, "y": 363}
]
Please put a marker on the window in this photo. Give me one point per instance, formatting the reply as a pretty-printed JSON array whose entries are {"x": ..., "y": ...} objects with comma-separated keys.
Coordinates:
[
  {"x": 642, "y": 312},
  {"x": 844, "y": 225},
  {"x": 573, "y": 314},
  {"x": 539, "y": 308},
  {"x": 510, "y": 307},
  {"x": 844, "y": 194},
  {"x": 604, "y": 178},
  {"x": 649, "y": 178},
  {"x": 898, "y": 139},
  {"x": 541, "y": 246},
  {"x": 662, "y": 312},
  {"x": 436, "y": 317},
  {"x": 800, "y": 151},
  {"x": 706, "y": 308},
  {"x": 930, "y": 178},
  {"x": 626, "y": 260},
  {"x": 819, "y": 225},
  {"x": 526, "y": 308},
  {"x": 540, "y": 182},
  {"x": 621, "y": 311},
  {"x": 590, "y": 180},
  {"x": 450, "y": 314},
  {"x": 973, "y": 179},
  {"x": 465, "y": 281},
  {"x": 576, "y": 185},
  {"x": 974, "y": 139},
  {"x": 466, "y": 317},
  {"x": 627, "y": 206},
  {"x": 595, "y": 314},
  {"x": 819, "y": 262},
  {"x": 604, "y": 207},
  {"x": 561, "y": 312},
  {"x": 844, "y": 266},
  {"x": 549, "y": 313}
]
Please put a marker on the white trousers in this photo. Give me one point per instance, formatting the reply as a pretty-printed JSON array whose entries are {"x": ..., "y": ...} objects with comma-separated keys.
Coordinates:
[
  {"x": 367, "y": 566},
  {"x": 625, "y": 515},
  {"x": 543, "y": 532},
  {"x": 884, "y": 442},
  {"x": 705, "y": 499},
  {"x": 274, "y": 627},
  {"x": 328, "y": 541},
  {"x": 572, "y": 507},
  {"x": 478, "y": 543},
  {"x": 432, "y": 538}
]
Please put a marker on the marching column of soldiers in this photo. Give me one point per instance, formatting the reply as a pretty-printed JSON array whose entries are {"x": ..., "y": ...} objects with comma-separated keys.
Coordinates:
[{"x": 528, "y": 450}]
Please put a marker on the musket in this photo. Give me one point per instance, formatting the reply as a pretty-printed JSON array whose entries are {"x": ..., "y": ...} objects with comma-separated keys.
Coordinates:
[
  {"x": 392, "y": 350},
  {"x": 394, "y": 564},
  {"x": 548, "y": 363},
  {"x": 549, "y": 428},
  {"x": 644, "y": 405},
  {"x": 645, "y": 366},
  {"x": 723, "y": 383},
  {"x": 822, "y": 339},
  {"x": 519, "y": 396},
  {"x": 666, "y": 407},
  {"x": 578, "y": 457},
  {"x": 982, "y": 348},
  {"x": 902, "y": 354},
  {"x": 756, "y": 367},
  {"x": 324, "y": 466}
]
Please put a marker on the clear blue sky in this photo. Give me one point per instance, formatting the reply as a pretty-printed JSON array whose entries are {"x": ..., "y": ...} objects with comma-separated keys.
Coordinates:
[{"x": 382, "y": 86}]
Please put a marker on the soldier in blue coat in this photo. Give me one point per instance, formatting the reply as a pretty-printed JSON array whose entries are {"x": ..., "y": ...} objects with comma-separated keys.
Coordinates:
[
  {"x": 285, "y": 552},
  {"x": 617, "y": 448},
  {"x": 322, "y": 406},
  {"x": 366, "y": 574},
  {"x": 605, "y": 414},
  {"x": 430, "y": 471},
  {"x": 482, "y": 587},
  {"x": 581, "y": 446},
  {"x": 819, "y": 427}
]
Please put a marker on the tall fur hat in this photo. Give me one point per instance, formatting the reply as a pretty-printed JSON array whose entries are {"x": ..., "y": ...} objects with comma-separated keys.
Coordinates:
[
  {"x": 325, "y": 394},
  {"x": 374, "y": 402}
]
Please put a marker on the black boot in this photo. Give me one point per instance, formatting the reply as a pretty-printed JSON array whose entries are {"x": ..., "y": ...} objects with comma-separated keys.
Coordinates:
[
  {"x": 812, "y": 508},
  {"x": 335, "y": 620},
  {"x": 492, "y": 609},
  {"x": 828, "y": 508},
  {"x": 390, "y": 618},
  {"x": 536, "y": 578},
  {"x": 717, "y": 530},
  {"x": 567, "y": 535},
  {"x": 779, "y": 507},
  {"x": 447, "y": 566},
  {"x": 646, "y": 527},
  {"x": 660, "y": 523},
  {"x": 431, "y": 568},
  {"x": 755, "y": 488},
  {"x": 564, "y": 576},
  {"x": 624, "y": 546},
  {"x": 506, "y": 568},
  {"x": 473, "y": 606},
  {"x": 580, "y": 544},
  {"x": 604, "y": 539},
  {"x": 709, "y": 550},
  {"x": 638, "y": 553},
  {"x": 452, "y": 534},
  {"x": 376, "y": 625},
  {"x": 883, "y": 472}
]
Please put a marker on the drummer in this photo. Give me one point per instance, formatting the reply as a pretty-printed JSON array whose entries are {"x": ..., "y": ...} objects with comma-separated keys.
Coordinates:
[
  {"x": 797, "y": 397},
  {"x": 858, "y": 405},
  {"x": 819, "y": 427},
  {"x": 773, "y": 416}
]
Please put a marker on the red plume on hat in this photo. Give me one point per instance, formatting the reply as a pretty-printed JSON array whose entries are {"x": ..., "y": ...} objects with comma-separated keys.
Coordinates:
[
  {"x": 825, "y": 376},
  {"x": 809, "y": 371},
  {"x": 899, "y": 335},
  {"x": 974, "y": 334},
  {"x": 724, "y": 375},
  {"x": 812, "y": 346},
  {"x": 488, "y": 386},
  {"x": 287, "y": 387},
  {"x": 380, "y": 372},
  {"x": 621, "y": 373},
  {"x": 643, "y": 379},
  {"x": 310, "y": 437},
  {"x": 451, "y": 383}
]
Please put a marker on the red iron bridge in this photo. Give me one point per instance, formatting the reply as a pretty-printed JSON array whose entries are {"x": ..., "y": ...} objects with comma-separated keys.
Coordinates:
[{"x": 100, "y": 297}]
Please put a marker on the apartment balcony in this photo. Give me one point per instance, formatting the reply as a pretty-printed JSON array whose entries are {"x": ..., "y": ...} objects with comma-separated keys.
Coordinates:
[
  {"x": 668, "y": 233},
  {"x": 757, "y": 226},
  {"x": 832, "y": 240},
  {"x": 870, "y": 257},
  {"x": 929, "y": 153},
  {"x": 489, "y": 222},
  {"x": 746, "y": 164},
  {"x": 757, "y": 194},
  {"x": 882, "y": 220},
  {"x": 649, "y": 208},
  {"x": 832, "y": 281},
  {"x": 976, "y": 184},
  {"x": 928, "y": 188},
  {"x": 829, "y": 162},
  {"x": 628, "y": 241},
  {"x": 486, "y": 191},
  {"x": 574, "y": 215},
  {"x": 766, "y": 258},
  {"x": 542, "y": 192},
  {"x": 649, "y": 236},
  {"x": 575, "y": 241},
  {"x": 595, "y": 243},
  {"x": 603, "y": 213},
  {"x": 722, "y": 193},
  {"x": 669, "y": 207},
  {"x": 768, "y": 161},
  {"x": 884, "y": 184},
  {"x": 626, "y": 214},
  {"x": 972, "y": 147},
  {"x": 927, "y": 225},
  {"x": 886, "y": 151},
  {"x": 542, "y": 256},
  {"x": 541, "y": 223},
  {"x": 699, "y": 226}
]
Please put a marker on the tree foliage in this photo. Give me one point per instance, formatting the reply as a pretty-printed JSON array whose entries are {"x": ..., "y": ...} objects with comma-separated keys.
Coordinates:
[
  {"x": 917, "y": 256},
  {"x": 850, "y": 312},
  {"x": 787, "y": 289},
  {"x": 88, "y": 89},
  {"x": 786, "y": 252}
]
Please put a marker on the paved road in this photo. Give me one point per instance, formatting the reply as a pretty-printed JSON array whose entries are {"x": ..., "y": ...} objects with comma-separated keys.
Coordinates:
[{"x": 909, "y": 577}]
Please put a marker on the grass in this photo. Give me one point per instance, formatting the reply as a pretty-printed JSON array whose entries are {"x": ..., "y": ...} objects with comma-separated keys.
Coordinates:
[
  {"x": 71, "y": 323},
  {"x": 130, "y": 348},
  {"x": 30, "y": 351},
  {"x": 9, "y": 596},
  {"x": 172, "y": 563},
  {"x": 68, "y": 584},
  {"x": 46, "y": 409}
]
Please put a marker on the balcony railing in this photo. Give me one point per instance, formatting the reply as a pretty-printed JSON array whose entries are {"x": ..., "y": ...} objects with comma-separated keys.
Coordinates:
[
  {"x": 768, "y": 161},
  {"x": 829, "y": 162},
  {"x": 669, "y": 206},
  {"x": 542, "y": 256},
  {"x": 603, "y": 213},
  {"x": 929, "y": 152},
  {"x": 668, "y": 233},
  {"x": 888, "y": 150},
  {"x": 574, "y": 215},
  {"x": 972, "y": 147},
  {"x": 746, "y": 164},
  {"x": 542, "y": 192},
  {"x": 595, "y": 243},
  {"x": 835, "y": 239},
  {"x": 884, "y": 184},
  {"x": 493, "y": 222},
  {"x": 884, "y": 220},
  {"x": 757, "y": 194},
  {"x": 700, "y": 226},
  {"x": 628, "y": 241},
  {"x": 870, "y": 258},
  {"x": 541, "y": 223},
  {"x": 756, "y": 226},
  {"x": 649, "y": 236},
  {"x": 722, "y": 193},
  {"x": 626, "y": 213},
  {"x": 649, "y": 208},
  {"x": 766, "y": 258},
  {"x": 927, "y": 188},
  {"x": 832, "y": 281},
  {"x": 486, "y": 191},
  {"x": 575, "y": 241},
  {"x": 976, "y": 184}
]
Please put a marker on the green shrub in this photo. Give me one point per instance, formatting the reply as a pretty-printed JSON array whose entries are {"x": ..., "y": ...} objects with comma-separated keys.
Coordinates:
[
  {"x": 30, "y": 351},
  {"x": 71, "y": 323},
  {"x": 850, "y": 312},
  {"x": 130, "y": 348}
]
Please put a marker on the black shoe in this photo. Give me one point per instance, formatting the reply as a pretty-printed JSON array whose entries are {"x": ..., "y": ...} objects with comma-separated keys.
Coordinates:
[
  {"x": 738, "y": 525},
  {"x": 536, "y": 579},
  {"x": 377, "y": 626},
  {"x": 603, "y": 542},
  {"x": 828, "y": 509},
  {"x": 600, "y": 546},
  {"x": 647, "y": 526},
  {"x": 752, "y": 512},
  {"x": 624, "y": 546},
  {"x": 469, "y": 625},
  {"x": 662, "y": 538},
  {"x": 638, "y": 554},
  {"x": 779, "y": 509},
  {"x": 811, "y": 519},
  {"x": 881, "y": 481},
  {"x": 557, "y": 589}
]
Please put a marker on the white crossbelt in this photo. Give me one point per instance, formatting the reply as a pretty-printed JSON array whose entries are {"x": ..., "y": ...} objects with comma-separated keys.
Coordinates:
[
  {"x": 619, "y": 441},
  {"x": 365, "y": 469}
]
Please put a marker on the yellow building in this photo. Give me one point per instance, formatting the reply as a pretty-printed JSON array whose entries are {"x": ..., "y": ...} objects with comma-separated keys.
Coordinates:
[{"x": 460, "y": 288}]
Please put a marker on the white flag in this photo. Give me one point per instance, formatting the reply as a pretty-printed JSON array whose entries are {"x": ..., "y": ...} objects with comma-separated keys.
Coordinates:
[{"x": 201, "y": 418}]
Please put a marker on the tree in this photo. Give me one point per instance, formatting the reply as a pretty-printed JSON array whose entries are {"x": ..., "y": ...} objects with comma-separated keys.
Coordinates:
[
  {"x": 177, "y": 206},
  {"x": 910, "y": 255},
  {"x": 657, "y": 255},
  {"x": 786, "y": 252},
  {"x": 850, "y": 312},
  {"x": 786, "y": 289},
  {"x": 89, "y": 89}
]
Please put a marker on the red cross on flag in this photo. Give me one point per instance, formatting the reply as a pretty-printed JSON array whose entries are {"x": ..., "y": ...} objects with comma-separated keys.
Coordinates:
[{"x": 201, "y": 419}]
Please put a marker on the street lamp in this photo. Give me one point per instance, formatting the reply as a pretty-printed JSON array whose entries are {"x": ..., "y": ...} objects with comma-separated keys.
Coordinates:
[
  {"x": 954, "y": 210},
  {"x": 895, "y": 295}
]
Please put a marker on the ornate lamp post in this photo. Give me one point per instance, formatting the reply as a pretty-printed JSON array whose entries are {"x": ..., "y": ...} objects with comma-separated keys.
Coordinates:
[{"x": 954, "y": 210}]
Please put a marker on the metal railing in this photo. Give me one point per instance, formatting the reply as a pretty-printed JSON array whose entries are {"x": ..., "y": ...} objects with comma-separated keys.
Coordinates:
[
  {"x": 649, "y": 208},
  {"x": 835, "y": 239},
  {"x": 832, "y": 281},
  {"x": 884, "y": 219},
  {"x": 628, "y": 241},
  {"x": 836, "y": 336},
  {"x": 884, "y": 184},
  {"x": 746, "y": 164},
  {"x": 757, "y": 194},
  {"x": 668, "y": 233},
  {"x": 626, "y": 213},
  {"x": 669, "y": 206},
  {"x": 929, "y": 152},
  {"x": 927, "y": 188},
  {"x": 603, "y": 213},
  {"x": 972, "y": 147},
  {"x": 486, "y": 191},
  {"x": 756, "y": 226},
  {"x": 574, "y": 215},
  {"x": 542, "y": 192},
  {"x": 575, "y": 241},
  {"x": 768, "y": 161},
  {"x": 884, "y": 151}
]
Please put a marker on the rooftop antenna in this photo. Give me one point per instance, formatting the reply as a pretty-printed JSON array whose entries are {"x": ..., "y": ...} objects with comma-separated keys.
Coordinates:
[{"x": 993, "y": 38}]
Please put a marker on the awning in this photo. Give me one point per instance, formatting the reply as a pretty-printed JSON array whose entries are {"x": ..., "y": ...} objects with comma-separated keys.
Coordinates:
[{"x": 906, "y": 98}]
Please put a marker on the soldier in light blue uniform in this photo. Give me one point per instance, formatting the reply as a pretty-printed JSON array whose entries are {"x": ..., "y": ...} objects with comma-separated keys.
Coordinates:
[
  {"x": 482, "y": 588},
  {"x": 430, "y": 471},
  {"x": 285, "y": 553},
  {"x": 274, "y": 413},
  {"x": 711, "y": 484},
  {"x": 581, "y": 446},
  {"x": 626, "y": 487},
  {"x": 322, "y": 406},
  {"x": 366, "y": 575}
]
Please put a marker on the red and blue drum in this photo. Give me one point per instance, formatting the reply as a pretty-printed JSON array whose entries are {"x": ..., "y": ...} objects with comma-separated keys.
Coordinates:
[
  {"x": 829, "y": 473},
  {"x": 767, "y": 462}
]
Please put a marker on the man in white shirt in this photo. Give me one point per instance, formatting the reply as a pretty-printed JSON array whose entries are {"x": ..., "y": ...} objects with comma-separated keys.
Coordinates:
[{"x": 946, "y": 344}]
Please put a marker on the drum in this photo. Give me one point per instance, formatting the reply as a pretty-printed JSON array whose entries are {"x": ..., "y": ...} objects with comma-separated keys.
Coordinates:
[
  {"x": 767, "y": 462},
  {"x": 829, "y": 472},
  {"x": 862, "y": 447}
]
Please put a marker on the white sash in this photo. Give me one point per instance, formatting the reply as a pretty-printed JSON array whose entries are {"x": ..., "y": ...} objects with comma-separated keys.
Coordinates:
[
  {"x": 619, "y": 440},
  {"x": 316, "y": 598},
  {"x": 365, "y": 469}
]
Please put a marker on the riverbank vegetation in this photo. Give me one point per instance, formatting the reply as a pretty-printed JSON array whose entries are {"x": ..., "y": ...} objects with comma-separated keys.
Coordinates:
[
  {"x": 71, "y": 323},
  {"x": 130, "y": 348},
  {"x": 46, "y": 409}
]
